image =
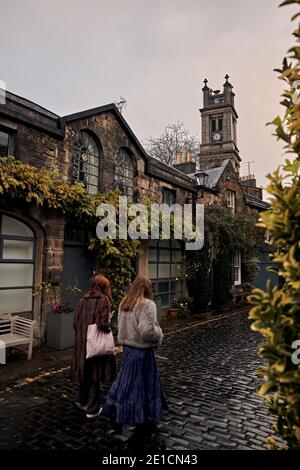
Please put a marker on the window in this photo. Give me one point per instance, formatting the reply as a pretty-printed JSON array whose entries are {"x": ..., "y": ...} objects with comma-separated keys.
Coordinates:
[
  {"x": 6, "y": 147},
  {"x": 124, "y": 173},
  {"x": 237, "y": 276},
  {"x": 168, "y": 196},
  {"x": 17, "y": 253},
  {"x": 231, "y": 200},
  {"x": 165, "y": 269},
  {"x": 86, "y": 162},
  {"x": 217, "y": 124}
]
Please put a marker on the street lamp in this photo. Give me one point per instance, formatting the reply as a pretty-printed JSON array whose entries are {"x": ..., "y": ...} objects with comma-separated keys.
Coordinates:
[{"x": 202, "y": 179}]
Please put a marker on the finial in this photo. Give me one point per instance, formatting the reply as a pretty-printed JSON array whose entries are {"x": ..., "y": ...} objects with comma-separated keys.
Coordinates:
[
  {"x": 226, "y": 77},
  {"x": 205, "y": 84}
]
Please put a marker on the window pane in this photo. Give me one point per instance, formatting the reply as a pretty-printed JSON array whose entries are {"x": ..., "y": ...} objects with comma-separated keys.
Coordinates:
[
  {"x": 163, "y": 270},
  {"x": 16, "y": 275},
  {"x": 152, "y": 271},
  {"x": 4, "y": 139},
  {"x": 165, "y": 255},
  {"x": 175, "y": 286},
  {"x": 164, "y": 243},
  {"x": 92, "y": 189},
  {"x": 15, "y": 301},
  {"x": 176, "y": 256},
  {"x": 176, "y": 244},
  {"x": 175, "y": 270},
  {"x": 152, "y": 255},
  {"x": 4, "y": 144},
  {"x": 17, "y": 249},
  {"x": 163, "y": 287},
  {"x": 165, "y": 300},
  {"x": 12, "y": 226}
]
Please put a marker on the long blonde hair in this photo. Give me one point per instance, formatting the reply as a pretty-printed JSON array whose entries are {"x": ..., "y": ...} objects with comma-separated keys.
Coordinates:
[{"x": 140, "y": 289}]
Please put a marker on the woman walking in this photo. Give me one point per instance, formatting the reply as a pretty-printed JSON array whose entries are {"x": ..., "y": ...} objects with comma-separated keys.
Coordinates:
[
  {"x": 93, "y": 308},
  {"x": 136, "y": 397}
]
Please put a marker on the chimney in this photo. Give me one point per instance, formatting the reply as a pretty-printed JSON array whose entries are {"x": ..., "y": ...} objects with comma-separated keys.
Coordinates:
[{"x": 184, "y": 162}]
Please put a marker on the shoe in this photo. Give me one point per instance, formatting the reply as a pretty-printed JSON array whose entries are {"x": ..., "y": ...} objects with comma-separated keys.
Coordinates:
[
  {"x": 94, "y": 415},
  {"x": 80, "y": 406}
]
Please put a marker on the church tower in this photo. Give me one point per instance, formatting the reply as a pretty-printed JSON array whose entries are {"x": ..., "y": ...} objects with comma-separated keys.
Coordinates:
[{"x": 218, "y": 121}]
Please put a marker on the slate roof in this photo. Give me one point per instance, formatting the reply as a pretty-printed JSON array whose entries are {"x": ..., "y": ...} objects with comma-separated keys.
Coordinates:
[
  {"x": 214, "y": 174},
  {"x": 255, "y": 202}
]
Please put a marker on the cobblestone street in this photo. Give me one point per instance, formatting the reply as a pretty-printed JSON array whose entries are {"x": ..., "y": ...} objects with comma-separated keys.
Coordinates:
[{"x": 208, "y": 374}]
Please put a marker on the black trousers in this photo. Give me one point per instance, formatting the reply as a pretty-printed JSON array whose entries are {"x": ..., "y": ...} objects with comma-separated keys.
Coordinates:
[{"x": 88, "y": 393}]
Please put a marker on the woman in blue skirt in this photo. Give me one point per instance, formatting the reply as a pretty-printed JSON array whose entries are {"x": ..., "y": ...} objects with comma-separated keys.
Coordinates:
[{"x": 136, "y": 396}]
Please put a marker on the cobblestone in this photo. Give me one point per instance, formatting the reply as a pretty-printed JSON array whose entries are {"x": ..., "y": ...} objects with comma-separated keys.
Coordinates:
[{"x": 208, "y": 373}]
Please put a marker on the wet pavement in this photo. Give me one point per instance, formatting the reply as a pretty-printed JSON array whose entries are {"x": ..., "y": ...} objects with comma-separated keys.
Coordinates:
[{"x": 208, "y": 373}]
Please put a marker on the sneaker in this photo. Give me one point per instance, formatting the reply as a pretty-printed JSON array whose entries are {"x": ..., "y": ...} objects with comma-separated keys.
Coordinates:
[
  {"x": 80, "y": 406},
  {"x": 94, "y": 415}
]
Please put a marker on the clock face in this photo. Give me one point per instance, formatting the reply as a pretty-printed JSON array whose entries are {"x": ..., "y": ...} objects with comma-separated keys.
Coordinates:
[{"x": 217, "y": 136}]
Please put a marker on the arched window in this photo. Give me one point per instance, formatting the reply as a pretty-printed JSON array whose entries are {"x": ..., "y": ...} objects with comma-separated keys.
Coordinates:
[
  {"x": 124, "y": 173},
  {"x": 86, "y": 162},
  {"x": 17, "y": 256}
]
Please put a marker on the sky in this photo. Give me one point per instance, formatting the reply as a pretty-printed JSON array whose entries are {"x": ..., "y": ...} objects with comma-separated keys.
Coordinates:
[{"x": 71, "y": 55}]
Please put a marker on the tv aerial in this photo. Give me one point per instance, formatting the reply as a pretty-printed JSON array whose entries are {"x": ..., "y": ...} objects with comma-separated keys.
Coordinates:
[{"x": 121, "y": 104}]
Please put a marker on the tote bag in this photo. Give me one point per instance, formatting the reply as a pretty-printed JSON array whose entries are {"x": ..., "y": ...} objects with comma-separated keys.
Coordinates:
[{"x": 99, "y": 343}]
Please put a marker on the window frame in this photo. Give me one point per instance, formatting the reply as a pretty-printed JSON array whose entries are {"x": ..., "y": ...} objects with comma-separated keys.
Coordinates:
[
  {"x": 80, "y": 174},
  {"x": 171, "y": 193},
  {"x": 11, "y": 141},
  {"x": 216, "y": 124},
  {"x": 120, "y": 181},
  {"x": 19, "y": 261},
  {"x": 237, "y": 268},
  {"x": 158, "y": 260},
  {"x": 230, "y": 200}
]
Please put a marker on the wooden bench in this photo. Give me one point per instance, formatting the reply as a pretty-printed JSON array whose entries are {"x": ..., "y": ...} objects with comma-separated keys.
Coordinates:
[{"x": 17, "y": 331}]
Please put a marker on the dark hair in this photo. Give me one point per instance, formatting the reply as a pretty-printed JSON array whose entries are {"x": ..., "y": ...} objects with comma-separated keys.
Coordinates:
[
  {"x": 101, "y": 284},
  {"x": 140, "y": 289}
]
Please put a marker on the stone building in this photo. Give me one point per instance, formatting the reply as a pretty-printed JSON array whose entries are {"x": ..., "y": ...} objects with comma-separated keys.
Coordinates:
[{"x": 98, "y": 148}]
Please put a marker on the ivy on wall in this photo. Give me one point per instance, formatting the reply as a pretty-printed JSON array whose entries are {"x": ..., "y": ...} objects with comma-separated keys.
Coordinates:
[
  {"x": 209, "y": 270},
  {"x": 42, "y": 188}
]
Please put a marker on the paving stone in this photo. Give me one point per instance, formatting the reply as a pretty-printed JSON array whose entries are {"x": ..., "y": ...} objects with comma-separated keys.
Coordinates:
[{"x": 211, "y": 389}]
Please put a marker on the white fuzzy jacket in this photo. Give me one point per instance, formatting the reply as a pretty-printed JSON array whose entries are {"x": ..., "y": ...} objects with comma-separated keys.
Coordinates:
[{"x": 139, "y": 328}]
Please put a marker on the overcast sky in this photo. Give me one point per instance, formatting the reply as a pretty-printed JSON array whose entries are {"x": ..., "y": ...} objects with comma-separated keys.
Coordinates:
[{"x": 70, "y": 55}]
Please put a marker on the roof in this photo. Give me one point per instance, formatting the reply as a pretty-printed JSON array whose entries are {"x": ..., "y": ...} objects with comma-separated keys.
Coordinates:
[
  {"x": 29, "y": 104},
  {"x": 214, "y": 174},
  {"x": 111, "y": 107},
  {"x": 255, "y": 202}
]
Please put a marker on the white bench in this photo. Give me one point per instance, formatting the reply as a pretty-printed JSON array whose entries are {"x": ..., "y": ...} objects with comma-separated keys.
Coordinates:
[{"x": 17, "y": 331}]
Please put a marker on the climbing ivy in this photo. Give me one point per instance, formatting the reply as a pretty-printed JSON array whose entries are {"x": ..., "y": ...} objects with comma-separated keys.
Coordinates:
[
  {"x": 209, "y": 270},
  {"x": 42, "y": 188}
]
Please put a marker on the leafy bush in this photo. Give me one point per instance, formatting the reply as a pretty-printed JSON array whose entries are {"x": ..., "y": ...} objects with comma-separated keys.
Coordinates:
[
  {"x": 209, "y": 271},
  {"x": 43, "y": 188},
  {"x": 183, "y": 304},
  {"x": 276, "y": 311}
]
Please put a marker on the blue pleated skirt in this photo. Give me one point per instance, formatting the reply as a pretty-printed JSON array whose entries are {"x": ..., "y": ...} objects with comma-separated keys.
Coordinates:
[{"x": 136, "y": 396}]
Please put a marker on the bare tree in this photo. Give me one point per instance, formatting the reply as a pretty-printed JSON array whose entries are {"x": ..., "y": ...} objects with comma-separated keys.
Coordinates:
[{"x": 173, "y": 138}]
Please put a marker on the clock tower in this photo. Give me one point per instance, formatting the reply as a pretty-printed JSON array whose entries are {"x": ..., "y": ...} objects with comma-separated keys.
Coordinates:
[{"x": 218, "y": 120}]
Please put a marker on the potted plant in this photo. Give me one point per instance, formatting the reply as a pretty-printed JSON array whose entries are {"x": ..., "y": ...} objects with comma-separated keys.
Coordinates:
[
  {"x": 61, "y": 306},
  {"x": 180, "y": 306}
]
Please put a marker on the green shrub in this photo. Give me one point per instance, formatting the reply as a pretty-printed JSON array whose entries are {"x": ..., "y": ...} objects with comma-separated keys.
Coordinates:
[{"x": 276, "y": 311}]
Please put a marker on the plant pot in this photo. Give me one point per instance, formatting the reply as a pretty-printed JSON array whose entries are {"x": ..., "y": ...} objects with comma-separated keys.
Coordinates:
[
  {"x": 60, "y": 332},
  {"x": 173, "y": 312}
]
